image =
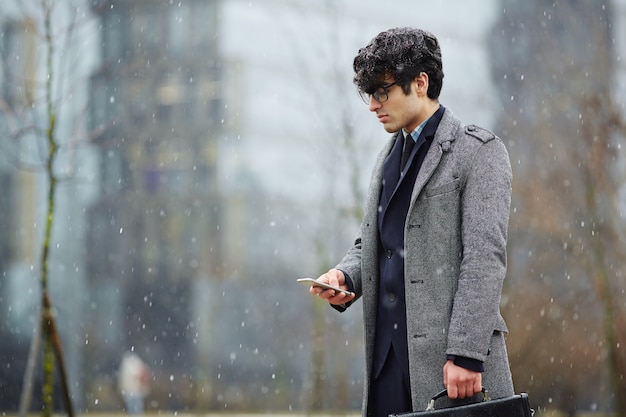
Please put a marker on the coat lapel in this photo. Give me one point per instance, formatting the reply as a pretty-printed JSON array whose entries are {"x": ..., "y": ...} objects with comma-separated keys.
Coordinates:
[
  {"x": 446, "y": 132},
  {"x": 391, "y": 172},
  {"x": 441, "y": 143}
]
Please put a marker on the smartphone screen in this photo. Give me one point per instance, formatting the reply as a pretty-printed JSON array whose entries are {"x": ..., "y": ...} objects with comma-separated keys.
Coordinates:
[{"x": 314, "y": 283}]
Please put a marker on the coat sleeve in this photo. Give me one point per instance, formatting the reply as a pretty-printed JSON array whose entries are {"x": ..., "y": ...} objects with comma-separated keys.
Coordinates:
[
  {"x": 486, "y": 199},
  {"x": 352, "y": 263}
]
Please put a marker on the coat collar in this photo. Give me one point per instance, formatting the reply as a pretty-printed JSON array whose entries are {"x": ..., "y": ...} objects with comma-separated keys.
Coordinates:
[{"x": 444, "y": 136}]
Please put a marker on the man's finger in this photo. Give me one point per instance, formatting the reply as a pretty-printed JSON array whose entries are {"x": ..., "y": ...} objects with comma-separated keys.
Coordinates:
[
  {"x": 478, "y": 385},
  {"x": 452, "y": 392}
]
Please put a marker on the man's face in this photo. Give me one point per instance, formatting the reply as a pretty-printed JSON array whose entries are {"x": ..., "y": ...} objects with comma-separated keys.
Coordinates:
[{"x": 401, "y": 110}]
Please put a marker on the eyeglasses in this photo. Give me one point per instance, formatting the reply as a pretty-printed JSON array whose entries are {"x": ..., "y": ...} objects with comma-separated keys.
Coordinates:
[{"x": 379, "y": 96}]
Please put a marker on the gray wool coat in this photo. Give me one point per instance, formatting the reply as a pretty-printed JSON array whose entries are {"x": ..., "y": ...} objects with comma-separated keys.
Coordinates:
[{"x": 455, "y": 259}]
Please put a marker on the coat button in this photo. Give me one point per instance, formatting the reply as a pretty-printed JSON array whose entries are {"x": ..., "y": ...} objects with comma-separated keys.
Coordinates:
[
  {"x": 391, "y": 297},
  {"x": 389, "y": 253}
]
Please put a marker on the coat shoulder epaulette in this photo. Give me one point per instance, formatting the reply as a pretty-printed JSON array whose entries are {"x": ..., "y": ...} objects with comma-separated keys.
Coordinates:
[{"x": 479, "y": 133}]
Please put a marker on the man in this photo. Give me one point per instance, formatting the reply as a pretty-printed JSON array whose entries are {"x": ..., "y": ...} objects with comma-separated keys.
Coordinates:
[{"x": 430, "y": 258}]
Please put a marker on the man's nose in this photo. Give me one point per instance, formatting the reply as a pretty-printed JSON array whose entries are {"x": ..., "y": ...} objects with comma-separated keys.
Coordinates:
[{"x": 374, "y": 104}]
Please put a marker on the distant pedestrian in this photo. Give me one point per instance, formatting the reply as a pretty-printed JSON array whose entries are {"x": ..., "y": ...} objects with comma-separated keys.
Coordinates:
[{"x": 134, "y": 382}]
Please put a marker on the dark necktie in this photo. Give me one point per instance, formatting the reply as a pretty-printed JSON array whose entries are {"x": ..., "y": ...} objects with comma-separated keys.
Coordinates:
[{"x": 406, "y": 151}]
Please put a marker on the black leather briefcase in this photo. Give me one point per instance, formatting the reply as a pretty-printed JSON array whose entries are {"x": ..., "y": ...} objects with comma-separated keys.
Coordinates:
[{"x": 513, "y": 406}]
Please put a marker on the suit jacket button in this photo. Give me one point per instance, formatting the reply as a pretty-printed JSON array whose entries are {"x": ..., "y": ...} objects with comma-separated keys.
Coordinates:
[
  {"x": 389, "y": 253},
  {"x": 391, "y": 297}
]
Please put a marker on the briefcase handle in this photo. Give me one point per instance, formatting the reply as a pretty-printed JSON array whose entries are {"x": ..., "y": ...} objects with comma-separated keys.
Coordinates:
[{"x": 431, "y": 404}]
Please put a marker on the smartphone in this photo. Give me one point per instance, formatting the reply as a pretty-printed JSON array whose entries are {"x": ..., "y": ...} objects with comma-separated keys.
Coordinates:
[{"x": 314, "y": 283}]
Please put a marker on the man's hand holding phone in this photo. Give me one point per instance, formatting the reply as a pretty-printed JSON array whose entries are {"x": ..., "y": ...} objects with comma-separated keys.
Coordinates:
[{"x": 330, "y": 287}]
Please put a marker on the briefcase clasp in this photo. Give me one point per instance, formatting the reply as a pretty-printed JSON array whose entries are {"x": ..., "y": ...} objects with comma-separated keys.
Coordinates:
[{"x": 431, "y": 403}]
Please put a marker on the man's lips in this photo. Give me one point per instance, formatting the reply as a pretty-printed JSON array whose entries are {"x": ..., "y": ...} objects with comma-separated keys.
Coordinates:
[{"x": 382, "y": 117}]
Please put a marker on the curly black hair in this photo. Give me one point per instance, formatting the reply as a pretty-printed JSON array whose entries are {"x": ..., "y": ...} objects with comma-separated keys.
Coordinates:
[{"x": 402, "y": 54}]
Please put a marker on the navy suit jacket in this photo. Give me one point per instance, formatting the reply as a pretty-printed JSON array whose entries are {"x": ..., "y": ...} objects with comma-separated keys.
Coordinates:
[{"x": 394, "y": 205}]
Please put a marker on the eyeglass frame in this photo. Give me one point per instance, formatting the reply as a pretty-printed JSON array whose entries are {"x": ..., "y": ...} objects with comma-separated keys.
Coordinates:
[{"x": 379, "y": 96}]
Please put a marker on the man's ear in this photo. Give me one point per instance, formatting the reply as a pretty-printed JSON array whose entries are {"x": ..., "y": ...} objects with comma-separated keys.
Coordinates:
[{"x": 421, "y": 84}]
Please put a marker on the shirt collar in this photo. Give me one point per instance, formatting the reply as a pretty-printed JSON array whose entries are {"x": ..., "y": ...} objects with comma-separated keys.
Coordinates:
[{"x": 415, "y": 134}]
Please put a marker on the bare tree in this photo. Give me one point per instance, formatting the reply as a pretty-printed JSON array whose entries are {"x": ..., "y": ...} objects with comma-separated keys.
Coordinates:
[
  {"x": 32, "y": 112},
  {"x": 564, "y": 133},
  {"x": 339, "y": 156}
]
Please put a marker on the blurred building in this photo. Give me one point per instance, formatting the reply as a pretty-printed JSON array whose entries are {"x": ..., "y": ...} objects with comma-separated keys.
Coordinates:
[
  {"x": 18, "y": 239},
  {"x": 154, "y": 235}
]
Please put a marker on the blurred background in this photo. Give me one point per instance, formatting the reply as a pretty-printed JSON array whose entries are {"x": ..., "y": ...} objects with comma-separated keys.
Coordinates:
[{"x": 211, "y": 152}]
